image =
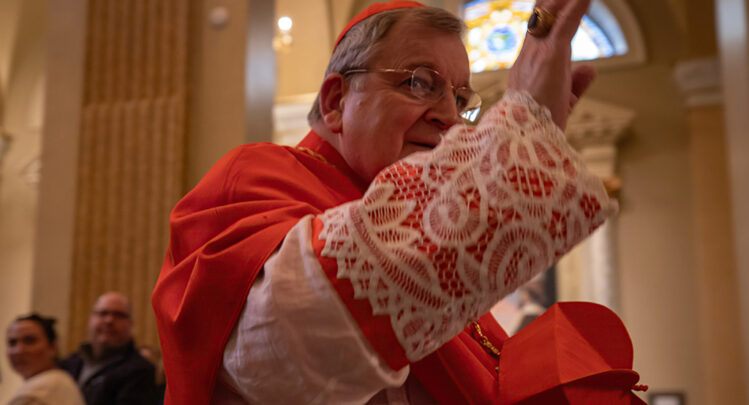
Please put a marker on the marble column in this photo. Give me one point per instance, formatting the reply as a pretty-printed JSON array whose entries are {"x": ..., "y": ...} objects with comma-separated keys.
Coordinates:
[
  {"x": 718, "y": 298},
  {"x": 732, "y": 17}
]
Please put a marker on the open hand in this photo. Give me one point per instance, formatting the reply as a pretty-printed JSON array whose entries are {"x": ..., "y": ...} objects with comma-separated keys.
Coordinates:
[{"x": 543, "y": 66}]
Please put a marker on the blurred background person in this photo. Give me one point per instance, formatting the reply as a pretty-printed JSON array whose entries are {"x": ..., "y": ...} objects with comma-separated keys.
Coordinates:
[
  {"x": 32, "y": 352},
  {"x": 108, "y": 368}
]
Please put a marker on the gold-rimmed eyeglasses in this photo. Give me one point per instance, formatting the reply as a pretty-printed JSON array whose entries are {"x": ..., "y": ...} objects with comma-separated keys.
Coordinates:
[{"x": 428, "y": 84}]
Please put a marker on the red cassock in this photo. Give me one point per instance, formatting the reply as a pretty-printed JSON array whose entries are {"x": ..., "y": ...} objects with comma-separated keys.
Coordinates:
[{"x": 225, "y": 229}]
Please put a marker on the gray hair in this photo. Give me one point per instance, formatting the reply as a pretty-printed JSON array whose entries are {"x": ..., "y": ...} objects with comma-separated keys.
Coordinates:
[{"x": 360, "y": 45}]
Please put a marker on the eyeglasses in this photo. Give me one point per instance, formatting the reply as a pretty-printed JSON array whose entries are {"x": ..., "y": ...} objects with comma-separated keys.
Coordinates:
[
  {"x": 428, "y": 84},
  {"x": 115, "y": 314}
]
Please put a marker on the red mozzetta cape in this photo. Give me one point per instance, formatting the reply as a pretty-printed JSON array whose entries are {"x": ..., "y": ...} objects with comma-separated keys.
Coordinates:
[{"x": 224, "y": 230}]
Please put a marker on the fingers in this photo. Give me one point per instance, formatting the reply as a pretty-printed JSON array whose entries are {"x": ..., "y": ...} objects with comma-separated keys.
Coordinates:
[
  {"x": 569, "y": 13},
  {"x": 573, "y": 102},
  {"x": 574, "y": 10},
  {"x": 555, "y": 6},
  {"x": 543, "y": 66},
  {"x": 582, "y": 77}
]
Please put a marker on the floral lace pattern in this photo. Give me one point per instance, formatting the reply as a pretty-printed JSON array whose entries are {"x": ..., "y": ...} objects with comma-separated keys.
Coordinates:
[{"x": 441, "y": 236}]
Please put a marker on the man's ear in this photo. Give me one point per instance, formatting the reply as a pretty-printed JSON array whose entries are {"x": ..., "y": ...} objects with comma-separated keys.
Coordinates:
[{"x": 331, "y": 102}]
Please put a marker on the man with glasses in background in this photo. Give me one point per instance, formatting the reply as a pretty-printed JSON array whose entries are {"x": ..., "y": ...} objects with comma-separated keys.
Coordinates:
[
  {"x": 359, "y": 267},
  {"x": 108, "y": 368}
]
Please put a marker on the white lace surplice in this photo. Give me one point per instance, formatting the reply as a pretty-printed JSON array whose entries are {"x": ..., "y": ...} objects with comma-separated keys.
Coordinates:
[{"x": 437, "y": 239}]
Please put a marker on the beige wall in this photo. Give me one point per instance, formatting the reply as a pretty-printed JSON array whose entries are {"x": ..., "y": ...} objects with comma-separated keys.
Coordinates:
[
  {"x": 300, "y": 67},
  {"x": 657, "y": 274},
  {"x": 216, "y": 97},
  {"x": 9, "y": 21},
  {"x": 657, "y": 279},
  {"x": 231, "y": 82},
  {"x": 733, "y": 30},
  {"x": 59, "y": 161},
  {"x": 22, "y": 54}
]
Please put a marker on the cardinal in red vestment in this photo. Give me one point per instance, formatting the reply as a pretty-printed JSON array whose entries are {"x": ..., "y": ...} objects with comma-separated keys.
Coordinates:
[{"x": 360, "y": 265}]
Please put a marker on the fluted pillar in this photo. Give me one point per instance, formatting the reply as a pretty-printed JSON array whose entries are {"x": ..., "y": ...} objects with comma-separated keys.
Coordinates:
[{"x": 130, "y": 153}]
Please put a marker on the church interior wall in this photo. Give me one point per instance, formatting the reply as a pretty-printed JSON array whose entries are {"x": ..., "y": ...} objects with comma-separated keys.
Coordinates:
[
  {"x": 216, "y": 92},
  {"x": 732, "y": 32},
  {"x": 658, "y": 291},
  {"x": 655, "y": 234},
  {"x": 22, "y": 51},
  {"x": 303, "y": 69},
  {"x": 657, "y": 275}
]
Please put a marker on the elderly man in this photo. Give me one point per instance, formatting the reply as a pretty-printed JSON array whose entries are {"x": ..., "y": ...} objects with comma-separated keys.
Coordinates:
[
  {"x": 359, "y": 266},
  {"x": 108, "y": 368}
]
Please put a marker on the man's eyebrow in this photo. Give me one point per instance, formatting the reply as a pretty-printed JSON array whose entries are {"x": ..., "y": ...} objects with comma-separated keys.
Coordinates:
[
  {"x": 414, "y": 65},
  {"x": 431, "y": 65}
]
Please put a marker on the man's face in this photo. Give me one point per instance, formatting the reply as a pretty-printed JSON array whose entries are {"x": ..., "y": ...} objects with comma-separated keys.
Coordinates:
[
  {"x": 382, "y": 121},
  {"x": 109, "y": 325},
  {"x": 29, "y": 351}
]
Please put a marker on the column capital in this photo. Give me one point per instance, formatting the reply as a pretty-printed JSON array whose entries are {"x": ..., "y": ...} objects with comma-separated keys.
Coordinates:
[
  {"x": 594, "y": 128},
  {"x": 597, "y": 123}
]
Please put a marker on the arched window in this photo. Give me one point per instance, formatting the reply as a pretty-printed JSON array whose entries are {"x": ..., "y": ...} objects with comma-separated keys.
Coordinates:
[{"x": 496, "y": 29}]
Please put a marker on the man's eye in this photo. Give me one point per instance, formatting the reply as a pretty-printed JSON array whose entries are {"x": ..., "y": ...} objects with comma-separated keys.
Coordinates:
[
  {"x": 408, "y": 82},
  {"x": 461, "y": 102},
  {"x": 421, "y": 83}
]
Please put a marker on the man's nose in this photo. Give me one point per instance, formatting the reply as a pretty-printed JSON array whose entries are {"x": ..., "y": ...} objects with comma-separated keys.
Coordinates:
[
  {"x": 106, "y": 318},
  {"x": 444, "y": 112}
]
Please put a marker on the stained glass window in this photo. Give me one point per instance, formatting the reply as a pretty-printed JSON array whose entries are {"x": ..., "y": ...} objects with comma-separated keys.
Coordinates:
[{"x": 496, "y": 29}]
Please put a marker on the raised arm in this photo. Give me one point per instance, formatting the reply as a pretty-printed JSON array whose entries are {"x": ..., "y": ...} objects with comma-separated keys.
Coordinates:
[
  {"x": 442, "y": 236},
  {"x": 436, "y": 240}
]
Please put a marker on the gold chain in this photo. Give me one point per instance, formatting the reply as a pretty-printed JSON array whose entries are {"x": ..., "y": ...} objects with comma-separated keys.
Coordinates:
[
  {"x": 484, "y": 341},
  {"x": 315, "y": 155}
]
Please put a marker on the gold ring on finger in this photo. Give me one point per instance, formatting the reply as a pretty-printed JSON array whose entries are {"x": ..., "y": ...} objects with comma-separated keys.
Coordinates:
[{"x": 540, "y": 22}]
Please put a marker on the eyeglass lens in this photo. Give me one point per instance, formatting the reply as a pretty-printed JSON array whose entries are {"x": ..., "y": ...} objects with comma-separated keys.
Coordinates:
[{"x": 429, "y": 85}]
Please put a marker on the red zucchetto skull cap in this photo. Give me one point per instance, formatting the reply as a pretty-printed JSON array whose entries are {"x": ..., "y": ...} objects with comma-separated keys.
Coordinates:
[
  {"x": 575, "y": 353},
  {"x": 375, "y": 9}
]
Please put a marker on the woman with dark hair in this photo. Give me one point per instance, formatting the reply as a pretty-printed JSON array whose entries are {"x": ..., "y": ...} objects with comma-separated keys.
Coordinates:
[{"x": 32, "y": 351}]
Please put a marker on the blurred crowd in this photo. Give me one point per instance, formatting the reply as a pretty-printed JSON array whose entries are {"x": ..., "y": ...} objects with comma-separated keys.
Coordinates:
[{"x": 107, "y": 369}]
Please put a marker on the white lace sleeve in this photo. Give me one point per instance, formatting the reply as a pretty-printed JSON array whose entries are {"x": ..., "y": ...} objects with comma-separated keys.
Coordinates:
[{"x": 441, "y": 236}]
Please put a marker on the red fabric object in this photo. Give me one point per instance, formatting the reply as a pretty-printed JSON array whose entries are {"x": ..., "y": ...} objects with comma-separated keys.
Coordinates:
[
  {"x": 462, "y": 372},
  {"x": 221, "y": 234},
  {"x": 574, "y": 353},
  {"x": 374, "y": 9}
]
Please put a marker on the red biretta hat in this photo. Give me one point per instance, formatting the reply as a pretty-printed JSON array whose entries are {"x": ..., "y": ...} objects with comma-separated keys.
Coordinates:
[
  {"x": 375, "y": 9},
  {"x": 575, "y": 353}
]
